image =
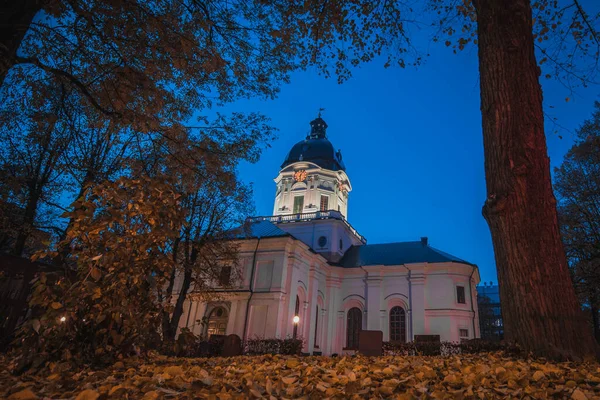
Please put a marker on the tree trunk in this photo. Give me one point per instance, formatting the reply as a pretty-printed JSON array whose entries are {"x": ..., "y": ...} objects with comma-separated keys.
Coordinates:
[
  {"x": 15, "y": 18},
  {"x": 595, "y": 322},
  {"x": 178, "y": 310},
  {"x": 28, "y": 221},
  {"x": 539, "y": 306}
]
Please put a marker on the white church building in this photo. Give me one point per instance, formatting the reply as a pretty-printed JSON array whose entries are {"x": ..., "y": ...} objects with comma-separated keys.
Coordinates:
[{"x": 307, "y": 261}]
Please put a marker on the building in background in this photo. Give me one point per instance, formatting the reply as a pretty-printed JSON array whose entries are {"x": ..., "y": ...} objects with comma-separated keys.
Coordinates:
[
  {"x": 306, "y": 272},
  {"x": 490, "y": 313}
]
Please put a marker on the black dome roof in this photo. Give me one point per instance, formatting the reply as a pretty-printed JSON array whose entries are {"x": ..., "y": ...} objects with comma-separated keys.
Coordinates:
[{"x": 317, "y": 149}]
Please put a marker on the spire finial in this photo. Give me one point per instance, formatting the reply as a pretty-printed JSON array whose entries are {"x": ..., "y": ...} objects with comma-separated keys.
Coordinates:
[{"x": 318, "y": 127}]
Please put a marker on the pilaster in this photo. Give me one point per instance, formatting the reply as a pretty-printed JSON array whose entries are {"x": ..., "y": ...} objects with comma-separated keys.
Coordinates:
[
  {"x": 373, "y": 303},
  {"x": 417, "y": 282}
]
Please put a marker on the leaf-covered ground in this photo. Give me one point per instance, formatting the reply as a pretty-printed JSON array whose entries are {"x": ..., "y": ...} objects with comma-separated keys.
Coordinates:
[{"x": 485, "y": 376}]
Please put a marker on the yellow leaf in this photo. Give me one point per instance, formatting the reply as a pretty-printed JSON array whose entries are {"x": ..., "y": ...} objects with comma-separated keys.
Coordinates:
[
  {"x": 95, "y": 273},
  {"x": 151, "y": 395},
  {"x": 24, "y": 394},
  {"x": 56, "y": 305},
  {"x": 538, "y": 375},
  {"x": 174, "y": 370},
  {"x": 288, "y": 380},
  {"x": 88, "y": 394}
]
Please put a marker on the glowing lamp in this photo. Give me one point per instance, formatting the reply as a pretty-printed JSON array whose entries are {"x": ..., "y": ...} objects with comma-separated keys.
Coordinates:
[
  {"x": 63, "y": 319},
  {"x": 296, "y": 319}
]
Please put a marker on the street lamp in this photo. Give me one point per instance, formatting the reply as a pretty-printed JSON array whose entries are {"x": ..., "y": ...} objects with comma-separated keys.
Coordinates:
[{"x": 296, "y": 320}]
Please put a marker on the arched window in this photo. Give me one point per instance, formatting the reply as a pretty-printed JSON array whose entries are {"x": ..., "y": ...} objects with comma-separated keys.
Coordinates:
[
  {"x": 353, "y": 327},
  {"x": 296, "y": 313},
  {"x": 217, "y": 321},
  {"x": 397, "y": 324},
  {"x": 316, "y": 327}
]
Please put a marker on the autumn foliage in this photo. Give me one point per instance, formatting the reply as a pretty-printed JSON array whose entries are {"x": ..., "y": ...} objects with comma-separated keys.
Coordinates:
[
  {"x": 113, "y": 302},
  {"x": 482, "y": 376}
]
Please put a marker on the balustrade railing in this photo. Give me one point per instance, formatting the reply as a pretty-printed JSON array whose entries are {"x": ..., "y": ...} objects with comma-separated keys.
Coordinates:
[{"x": 311, "y": 216}]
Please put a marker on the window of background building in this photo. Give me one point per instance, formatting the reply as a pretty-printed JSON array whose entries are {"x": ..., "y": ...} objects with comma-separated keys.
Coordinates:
[
  {"x": 324, "y": 203},
  {"x": 225, "y": 276},
  {"x": 298, "y": 204},
  {"x": 460, "y": 295},
  {"x": 463, "y": 334}
]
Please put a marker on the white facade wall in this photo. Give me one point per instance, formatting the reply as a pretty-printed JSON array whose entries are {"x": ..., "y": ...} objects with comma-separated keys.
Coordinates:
[{"x": 285, "y": 268}]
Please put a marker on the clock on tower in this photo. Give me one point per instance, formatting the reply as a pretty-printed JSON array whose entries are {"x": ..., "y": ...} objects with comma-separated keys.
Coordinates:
[{"x": 300, "y": 176}]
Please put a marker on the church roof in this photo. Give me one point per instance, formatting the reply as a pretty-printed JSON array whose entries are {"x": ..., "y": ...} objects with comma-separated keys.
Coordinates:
[
  {"x": 316, "y": 148},
  {"x": 395, "y": 254},
  {"x": 257, "y": 229}
]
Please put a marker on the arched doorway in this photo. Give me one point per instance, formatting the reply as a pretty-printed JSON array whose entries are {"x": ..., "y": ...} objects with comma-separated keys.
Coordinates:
[
  {"x": 397, "y": 324},
  {"x": 353, "y": 327},
  {"x": 217, "y": 321}
]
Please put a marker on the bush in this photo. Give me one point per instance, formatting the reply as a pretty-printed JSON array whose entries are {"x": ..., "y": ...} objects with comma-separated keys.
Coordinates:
[
  {"x": 474, "y": 346},
  {"x": 288, "y": 346}
]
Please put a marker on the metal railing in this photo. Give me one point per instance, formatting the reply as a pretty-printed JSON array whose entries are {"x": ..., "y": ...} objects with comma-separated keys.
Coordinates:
[{"x": 311, "y": 216}]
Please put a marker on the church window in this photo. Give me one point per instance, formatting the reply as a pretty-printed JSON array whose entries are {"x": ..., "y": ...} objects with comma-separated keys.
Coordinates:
[
  {"x": 225, "y": 276},
  {"x": 298, "y": 204},
  {"x": 324, "y": 203},
  {"x": 460, "y": 295},
  {"x": 353, "y": 327},
  {"x": 463, "y": 334},
  {"x": 322, "y": 241},
  {"x": 397, "y": 324}
]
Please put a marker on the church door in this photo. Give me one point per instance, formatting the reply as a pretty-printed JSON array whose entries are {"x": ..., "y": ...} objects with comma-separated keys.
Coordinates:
[
  {"x": 217, "y": 322},
  {"x": 353, "y": 327}
]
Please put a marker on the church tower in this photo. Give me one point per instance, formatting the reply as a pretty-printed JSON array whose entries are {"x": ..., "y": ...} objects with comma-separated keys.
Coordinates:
[
  {"x": 313, "y": 176},
  {"x": 312, "y": 190}
]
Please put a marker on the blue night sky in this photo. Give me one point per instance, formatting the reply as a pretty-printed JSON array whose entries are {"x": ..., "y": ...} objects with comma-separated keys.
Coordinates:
[{"x": 412, "y": 143}]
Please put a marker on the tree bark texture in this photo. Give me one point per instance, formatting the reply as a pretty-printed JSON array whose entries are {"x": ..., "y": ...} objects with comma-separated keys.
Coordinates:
[
  {"x": 15, "y": 18},
  {"x": 539, "y": 306}
]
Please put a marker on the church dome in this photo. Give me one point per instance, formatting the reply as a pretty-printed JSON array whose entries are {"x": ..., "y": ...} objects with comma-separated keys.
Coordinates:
[{"x": 316, "y": 148}]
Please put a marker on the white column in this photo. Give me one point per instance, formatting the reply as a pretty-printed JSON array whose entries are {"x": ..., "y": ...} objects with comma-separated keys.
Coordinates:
[
  {"x": 332, "y": 301},
  {"x": 373, "y": 303},
  {"x": 321, "y": 329},
  {"x": 243, "y": 308},
  {"x": 232, "y": 317},
  {"x": 288, "y": 324},
  {"x": 384, "y": 323},
  {"x": 340, "y": 337},
  {"x": 280, "y": 311},
  {"x": 309, "y": 331},
  {"x": 418, "y": 304}
]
